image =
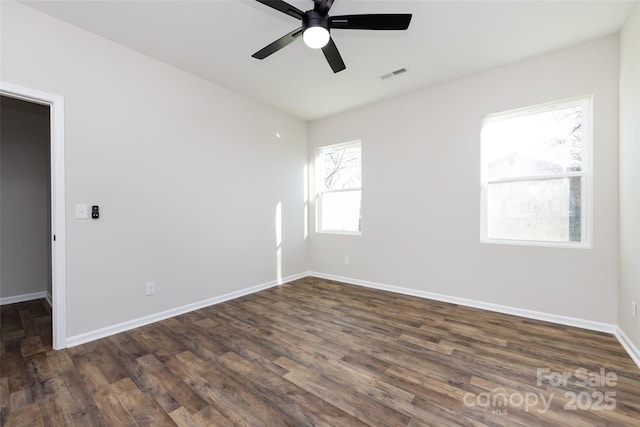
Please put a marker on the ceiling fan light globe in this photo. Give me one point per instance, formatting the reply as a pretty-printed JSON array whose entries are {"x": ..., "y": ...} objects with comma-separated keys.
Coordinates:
[{"x": 316, "y": 37}]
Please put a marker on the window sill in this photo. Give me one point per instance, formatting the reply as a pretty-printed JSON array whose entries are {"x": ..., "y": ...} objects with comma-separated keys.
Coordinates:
[
  {"x": 340, "y": 233},
  {"x": 569, "y": 245}
]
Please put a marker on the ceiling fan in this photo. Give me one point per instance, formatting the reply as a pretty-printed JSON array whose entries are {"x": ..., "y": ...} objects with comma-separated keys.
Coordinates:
[{"x": 316, "y": 25}]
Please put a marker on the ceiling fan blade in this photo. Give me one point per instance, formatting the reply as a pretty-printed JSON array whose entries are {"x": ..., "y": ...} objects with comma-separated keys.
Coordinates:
[
  {"x": 284, "y": 7},
  {"x": 380, "y": 21},
  {"x": 333, "y": 56},
  {"x": 278, "y": 44}
]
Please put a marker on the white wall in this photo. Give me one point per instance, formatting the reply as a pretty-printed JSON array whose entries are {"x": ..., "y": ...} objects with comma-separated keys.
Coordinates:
[
  {"x": 421, "y": 191},
  {"x": 188, "y": 175},
  {"x": 25, "y": 225},
  {"x": 630, "y": 174}
]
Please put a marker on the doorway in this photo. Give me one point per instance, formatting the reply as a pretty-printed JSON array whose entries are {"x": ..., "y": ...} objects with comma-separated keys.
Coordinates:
[
  {"x": 25, "y": 201},
  {"x": 37, "y": 102}
]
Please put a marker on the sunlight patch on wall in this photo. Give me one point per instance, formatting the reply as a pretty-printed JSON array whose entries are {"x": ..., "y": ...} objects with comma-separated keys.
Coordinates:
[{"x": 278, "y": 230}]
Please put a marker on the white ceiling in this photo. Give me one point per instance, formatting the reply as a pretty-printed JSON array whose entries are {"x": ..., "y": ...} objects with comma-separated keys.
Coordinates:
[{"x": 214, "y": 39}]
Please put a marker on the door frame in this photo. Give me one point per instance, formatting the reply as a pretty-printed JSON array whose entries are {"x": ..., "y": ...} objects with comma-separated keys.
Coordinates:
[{"x": 58, "y": 238}]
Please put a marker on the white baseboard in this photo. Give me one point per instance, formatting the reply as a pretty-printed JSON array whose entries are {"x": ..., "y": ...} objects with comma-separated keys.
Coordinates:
[
  {"x": 23, "y": 298},
  {"x": 136, "y": 323},
  {"x": 49, "y": 299},
  {"x": 529, "y": 314},
  {"x": 615, "y": 330},
  {"x": 628, "y": 345}
]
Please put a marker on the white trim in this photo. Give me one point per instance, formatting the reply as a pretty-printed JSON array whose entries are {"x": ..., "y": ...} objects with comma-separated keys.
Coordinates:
[
  {"x": 22, "y": 298},
  {"x": 156, "y": 317},
  {"x": 615, "y": 330},
  {"x": 558, "y": 175},
  {"x": 58, "y": 250},
  {"x": 339, "y": 145},
  {"x": 586, "y": 173},
  {"x": 628, "y": 345},
  {"x": 49, "y": 299},
  {"x": 535, "y": 109},
  {"x": 608, "y": 328},
  {"x": 319, "y": 197},
  {"x": 538, "y": 243},
  {"x": 529, "y": 314}
]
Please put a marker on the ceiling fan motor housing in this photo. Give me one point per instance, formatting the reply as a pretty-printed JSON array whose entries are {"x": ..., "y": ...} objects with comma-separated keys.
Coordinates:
[{"x": 312, "y": 18}]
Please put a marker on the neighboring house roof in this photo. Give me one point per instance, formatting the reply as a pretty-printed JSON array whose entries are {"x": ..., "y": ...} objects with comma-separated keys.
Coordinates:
[{"x": 516, "y": 164}]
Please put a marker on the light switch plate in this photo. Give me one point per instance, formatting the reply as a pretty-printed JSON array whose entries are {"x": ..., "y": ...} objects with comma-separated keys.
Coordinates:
[{"x": 82, "y": 211}]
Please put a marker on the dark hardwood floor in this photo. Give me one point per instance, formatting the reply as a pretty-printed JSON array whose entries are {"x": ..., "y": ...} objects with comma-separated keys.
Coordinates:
[{"x": 316, "y": 352}]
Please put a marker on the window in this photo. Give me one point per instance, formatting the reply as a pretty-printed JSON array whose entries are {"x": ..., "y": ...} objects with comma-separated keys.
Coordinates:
[
  {"x": 339, "y": 188},
  {"x": 535, "y": 174}
]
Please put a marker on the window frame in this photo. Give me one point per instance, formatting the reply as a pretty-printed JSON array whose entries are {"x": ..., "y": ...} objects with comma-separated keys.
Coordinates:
[
  {"x": 319, "y": 193},
  {"x": 586, "y": 174}
]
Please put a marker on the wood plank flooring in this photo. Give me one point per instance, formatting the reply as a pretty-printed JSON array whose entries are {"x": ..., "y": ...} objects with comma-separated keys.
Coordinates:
[{"x": 317, "y": 352}]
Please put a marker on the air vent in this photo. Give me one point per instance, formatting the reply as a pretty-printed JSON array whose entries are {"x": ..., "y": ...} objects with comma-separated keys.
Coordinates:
[{"x": 393, "y": 73}]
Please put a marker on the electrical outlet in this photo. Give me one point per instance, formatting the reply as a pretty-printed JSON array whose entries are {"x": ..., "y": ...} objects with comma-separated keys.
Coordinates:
[
  {"x": 634, "y": 310},
  {"x": 346, "y": 260},
  {"x": 150, "y": 288}
]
